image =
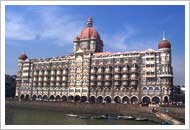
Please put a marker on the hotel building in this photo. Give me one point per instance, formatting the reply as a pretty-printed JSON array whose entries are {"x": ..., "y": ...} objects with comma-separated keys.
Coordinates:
[{"x": 89, "y": 74}]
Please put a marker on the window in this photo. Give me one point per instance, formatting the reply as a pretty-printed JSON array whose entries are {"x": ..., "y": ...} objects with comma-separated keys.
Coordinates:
[{"x": 145, "y": 89}]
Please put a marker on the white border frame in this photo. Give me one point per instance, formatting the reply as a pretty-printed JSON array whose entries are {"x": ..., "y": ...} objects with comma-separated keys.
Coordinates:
[{"x": 185, "y": 3}]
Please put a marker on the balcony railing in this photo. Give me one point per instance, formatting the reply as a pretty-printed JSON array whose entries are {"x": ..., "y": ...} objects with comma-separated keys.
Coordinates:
[
  {"x": 93, "y": 71},
  {"x": 133, "y": 70},
  {"x": 59, "y": 72},
  {"x": 92, "y": 78},
  {"x": 64, "y": 72},
  {"x": 117, "y": 70},
  {"x": 108, "y": 70},
  {"x": 92, "y": 83},
  {"x": 107, "y": 83}
]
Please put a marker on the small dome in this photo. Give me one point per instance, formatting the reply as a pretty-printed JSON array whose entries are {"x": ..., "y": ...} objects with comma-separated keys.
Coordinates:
[
  {"x": 77, "y": 39},
  {"x": 23, "y": 57},
  {"x": 164, "y": 44}
]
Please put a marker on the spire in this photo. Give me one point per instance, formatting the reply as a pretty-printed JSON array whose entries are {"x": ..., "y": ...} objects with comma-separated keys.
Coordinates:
[
  {"x": 89, "y": 22},
  {"x": 163, "y": 36}
]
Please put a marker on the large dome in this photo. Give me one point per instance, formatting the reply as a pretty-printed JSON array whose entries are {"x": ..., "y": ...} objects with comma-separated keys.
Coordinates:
[{"x": 89, "y": 32}]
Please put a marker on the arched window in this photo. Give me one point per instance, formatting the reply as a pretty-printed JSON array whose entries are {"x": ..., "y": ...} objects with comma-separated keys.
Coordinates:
[
  {"x": 145, "y": 89},
  {"x": 151, "y": 89}
]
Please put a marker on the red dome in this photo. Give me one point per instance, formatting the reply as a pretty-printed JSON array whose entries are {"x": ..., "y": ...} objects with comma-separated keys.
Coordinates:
[
  {"x": 23, "y": 56},
  {"x": 88, "y": 33},
  {"x": 164, "y": 44}
]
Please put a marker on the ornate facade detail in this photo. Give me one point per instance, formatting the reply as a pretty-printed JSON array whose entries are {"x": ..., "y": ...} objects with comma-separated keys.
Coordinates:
[{"x": 89, "y": 74}]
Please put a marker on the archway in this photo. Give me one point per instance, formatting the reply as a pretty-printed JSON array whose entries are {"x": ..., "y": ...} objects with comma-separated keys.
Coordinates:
[
  {"x": 156, "y": 100},
  {"x": 126, "y": 100},
  {"x": 100, "y": 99},
  {"x": 40, "y": 97},
  {"x": 51, "y": 97},
  {"x": 146, "y": 100},
  {"x": 57, "y": 98},
  {"x": 45, "y": 98},
  {"x": 166, "y": 99},
  {"x": 107, "y": 99},
  {"x": 117, "y": 99},
  {"x": 77, "y": 98},
  {"x": 64, "y": 98},
  {"x": 27, "y": 97},
  {"x": 92, "y": 99},
  {"x": 70, "y": 98},
  {"x": 83, "y": 99},
  {"x": 22, "y": 97},
  {"x": 134, "y": 100},
  {"x": 34, "y": 97}
]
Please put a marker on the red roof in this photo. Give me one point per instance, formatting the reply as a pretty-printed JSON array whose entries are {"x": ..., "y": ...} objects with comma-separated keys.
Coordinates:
[
  {"x": 102, "y": 53},
  {"x": 89, "y": 33},
  {"x": 164, "y": 44},
  {"x": 23, "y": 56}
]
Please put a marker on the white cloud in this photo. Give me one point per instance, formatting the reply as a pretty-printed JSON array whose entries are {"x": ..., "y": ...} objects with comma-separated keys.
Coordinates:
[
  {"x": 17, "y": 29},
  {"x": 127, "y": 40},
  {"x": 61, "y": 30}
]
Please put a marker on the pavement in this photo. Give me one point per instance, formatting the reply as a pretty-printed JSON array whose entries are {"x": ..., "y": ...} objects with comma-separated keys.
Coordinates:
[{"x": 168, "y": 118}]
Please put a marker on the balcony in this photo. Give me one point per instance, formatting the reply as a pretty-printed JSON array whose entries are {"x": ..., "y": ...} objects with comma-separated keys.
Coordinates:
[
  {"x": 125, "y": 83},
  {"x": 93, "y": 71},
  {"x": 35, "y": 79},
  {"x": 34, "y": 84},
  {"x": 108, "y": 77},
  {"x": 117, "y": 83},
  {"x": 125, "y": 70},
  {"x": 45, "y": 79},
  {"x": 64, "y": 72},
  {"x": 133, "y": 77},
  {"x": 59, "y": 72},
  {"x": 39, "y": 84},
  {"x": 45, "y": 84},
  {"x": 52, "y": 84},
  {"x": 100, "y": 70},
  {"x": 108, "y": 70},
  {"x": 64, "y": 78},
  {"x": 125, "y": 77},
  {"x": 52, "y": 72},
  {"x": 107, "y": 83},
  {"x": 92, "y": 77},
  {"x": 117, "y": 70},
  {"x": 117, "y": 77},
  {"x": 35, "y": 73},
  {"x": 133, "y": 83},
  {"x": 58, "y": 84},
  {"x": 52, "y": 79},
  {"x": 41, "y": 73},
  {"x": 165, "y": 75},
  {"x": 58, "y": 78},
  {"x": 100, "y": 77},
  {"x": 64, "y": 84},
  {"x": 133, "y": 70},
  {"x": 100, "y": 83},
  {"x": 40, "y": 79},
  {"x": 46, "y": 72},
  {"x": 92, "y": 83}
]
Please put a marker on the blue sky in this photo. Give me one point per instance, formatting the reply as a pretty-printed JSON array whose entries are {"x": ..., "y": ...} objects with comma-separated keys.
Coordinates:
[{"x": 47, "y": 31}]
